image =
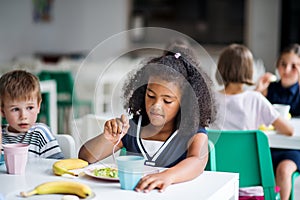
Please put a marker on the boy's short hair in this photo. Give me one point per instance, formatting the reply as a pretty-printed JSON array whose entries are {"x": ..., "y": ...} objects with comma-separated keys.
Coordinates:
[
  {"x": 235, "y": 65},
  {"x": 19, "y": 85}
]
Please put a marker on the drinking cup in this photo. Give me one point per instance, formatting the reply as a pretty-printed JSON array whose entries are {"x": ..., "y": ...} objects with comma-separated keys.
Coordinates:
[
  {"x": 283, "y": 110},
  {"x": 130, "y": 171},
  {"x": 15, "y": 156}
]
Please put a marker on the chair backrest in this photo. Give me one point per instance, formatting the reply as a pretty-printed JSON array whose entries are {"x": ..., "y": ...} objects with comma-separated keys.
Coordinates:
[
  {"x": 294, "y": 176},
  {"x": 246, "y": 153},
  {"x": 67, "y": 145},
  {"x": 64, "y": 83}
]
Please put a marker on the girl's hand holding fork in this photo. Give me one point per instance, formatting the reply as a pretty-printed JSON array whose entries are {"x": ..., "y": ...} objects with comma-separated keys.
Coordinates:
[
  {"x": 106, "y": 143},
  {"x": 116, "y": 128}
]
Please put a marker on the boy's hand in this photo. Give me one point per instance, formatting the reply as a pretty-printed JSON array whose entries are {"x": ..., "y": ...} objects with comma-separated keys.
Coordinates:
[{"x": 115, "y": 128}]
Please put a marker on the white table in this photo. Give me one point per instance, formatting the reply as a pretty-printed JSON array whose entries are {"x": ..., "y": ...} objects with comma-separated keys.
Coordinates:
[
  {"x": 49, "y": 87},
  {"x": 286, "y": 142},
  {"x": 208, "y": 186}
]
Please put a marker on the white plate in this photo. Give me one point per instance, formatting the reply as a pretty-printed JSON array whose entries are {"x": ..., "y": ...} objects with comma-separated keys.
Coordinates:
[{"x": 89, "y": 171}]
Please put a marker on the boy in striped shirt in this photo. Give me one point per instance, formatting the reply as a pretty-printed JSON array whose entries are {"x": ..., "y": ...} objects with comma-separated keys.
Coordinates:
[{"x": 20, "y": 105}]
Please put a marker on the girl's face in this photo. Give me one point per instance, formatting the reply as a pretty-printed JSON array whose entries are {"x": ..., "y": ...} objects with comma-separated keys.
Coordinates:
[
  {"x": 162, "y": 101},
  {"x": 289, "y": 68},
  {"x": 20, "y": 114}
]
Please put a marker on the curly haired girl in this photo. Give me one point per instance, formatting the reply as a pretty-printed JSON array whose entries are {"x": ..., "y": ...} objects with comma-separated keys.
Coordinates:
[{"x": 171, "y": 103}]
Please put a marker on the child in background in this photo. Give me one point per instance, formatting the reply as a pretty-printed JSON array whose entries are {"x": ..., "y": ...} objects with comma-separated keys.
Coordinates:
[
  {"x": 285, "y": 91},
  {"x": 1, "y": 149},
  {"x": 171, "y": 104},
  {"x": 245, "y": 109},
  {"x": 20, "y": 104}
]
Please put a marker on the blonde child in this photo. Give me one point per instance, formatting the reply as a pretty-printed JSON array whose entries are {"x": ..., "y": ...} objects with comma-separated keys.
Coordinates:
[{"x": 20, "y": 104}]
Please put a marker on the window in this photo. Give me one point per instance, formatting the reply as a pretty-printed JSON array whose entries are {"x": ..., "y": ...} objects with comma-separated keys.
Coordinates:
[{"x": 206, "y": 21}]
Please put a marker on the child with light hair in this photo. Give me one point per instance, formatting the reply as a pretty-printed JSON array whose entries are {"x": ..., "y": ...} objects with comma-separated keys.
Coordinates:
[{"x": 21, "y": 99}]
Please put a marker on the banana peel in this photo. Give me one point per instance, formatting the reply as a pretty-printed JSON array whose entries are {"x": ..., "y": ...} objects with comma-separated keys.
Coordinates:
[
  {"x": 64, "y": 166},
  {"x": 60, "y": 187}
]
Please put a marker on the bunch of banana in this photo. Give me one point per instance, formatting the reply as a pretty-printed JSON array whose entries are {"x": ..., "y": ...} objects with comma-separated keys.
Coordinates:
[
  {"x": 63, "y": 166},
  {"x": 60, "y": 187}
]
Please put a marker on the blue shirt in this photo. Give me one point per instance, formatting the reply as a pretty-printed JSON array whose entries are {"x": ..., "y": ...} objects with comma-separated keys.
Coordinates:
[
  {"x": 175, "y": 151},
  {"x": 289, "y": 96}
]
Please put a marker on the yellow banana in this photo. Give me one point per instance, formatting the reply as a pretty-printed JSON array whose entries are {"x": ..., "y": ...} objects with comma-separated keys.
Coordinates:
[
  {"x": 63, "y": 166},
  {"x": 60, "y": 187}
]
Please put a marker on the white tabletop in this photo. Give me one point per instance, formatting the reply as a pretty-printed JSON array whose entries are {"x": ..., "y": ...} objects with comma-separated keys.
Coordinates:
[
  {"x": 209, "y": 185},
  {"x": 286, "y": 142}
]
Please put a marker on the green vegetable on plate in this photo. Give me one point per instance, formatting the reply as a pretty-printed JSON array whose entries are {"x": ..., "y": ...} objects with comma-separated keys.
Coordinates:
[{"x": 106, "y": 172}]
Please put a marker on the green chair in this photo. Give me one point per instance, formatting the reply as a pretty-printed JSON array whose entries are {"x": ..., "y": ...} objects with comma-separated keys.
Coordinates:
[
  {"x": 246, "y": 153},
  {"x": 44, "y": 115},
  {"x": 66, "y": 98},
  {"x": 295, "y": 175},
  {"x": 123, "y": 151}
]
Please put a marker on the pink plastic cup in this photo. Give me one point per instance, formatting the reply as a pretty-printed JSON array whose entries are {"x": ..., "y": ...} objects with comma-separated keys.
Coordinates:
[{"x": 15, "y": 156}]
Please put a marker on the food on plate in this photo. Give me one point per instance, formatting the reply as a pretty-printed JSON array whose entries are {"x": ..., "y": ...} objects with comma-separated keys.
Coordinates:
[
  {"x": 106, "y": 172},
  {"x": 266, "y": 128},
  {"x": 273, "y": 78},
  {"x": 60, "y": 187},
  {"x": 63, "y": 166}
]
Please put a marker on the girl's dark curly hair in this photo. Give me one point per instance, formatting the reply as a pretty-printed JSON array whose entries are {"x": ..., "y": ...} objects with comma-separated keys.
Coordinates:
[{"x": 197, "y": 107}]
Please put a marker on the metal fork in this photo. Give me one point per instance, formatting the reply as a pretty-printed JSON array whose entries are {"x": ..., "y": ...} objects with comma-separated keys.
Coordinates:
[
  {"x": 115, "y": 145},
  {"x": 120, "y": 136}
]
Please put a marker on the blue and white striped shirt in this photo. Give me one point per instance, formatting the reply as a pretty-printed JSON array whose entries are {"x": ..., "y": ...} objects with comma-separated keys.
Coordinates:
[{"x": 40, "y": 139}]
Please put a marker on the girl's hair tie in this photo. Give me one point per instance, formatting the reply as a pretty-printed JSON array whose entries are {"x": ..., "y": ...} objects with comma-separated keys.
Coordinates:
[{"x": 177, "y": 55}]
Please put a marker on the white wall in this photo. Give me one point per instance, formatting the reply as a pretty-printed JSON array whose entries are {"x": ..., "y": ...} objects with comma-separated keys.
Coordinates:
[
  {"x": 76, "y": 26},
  {"x": 262, "y": 30},
  {"x": 80, "y": 25}
]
